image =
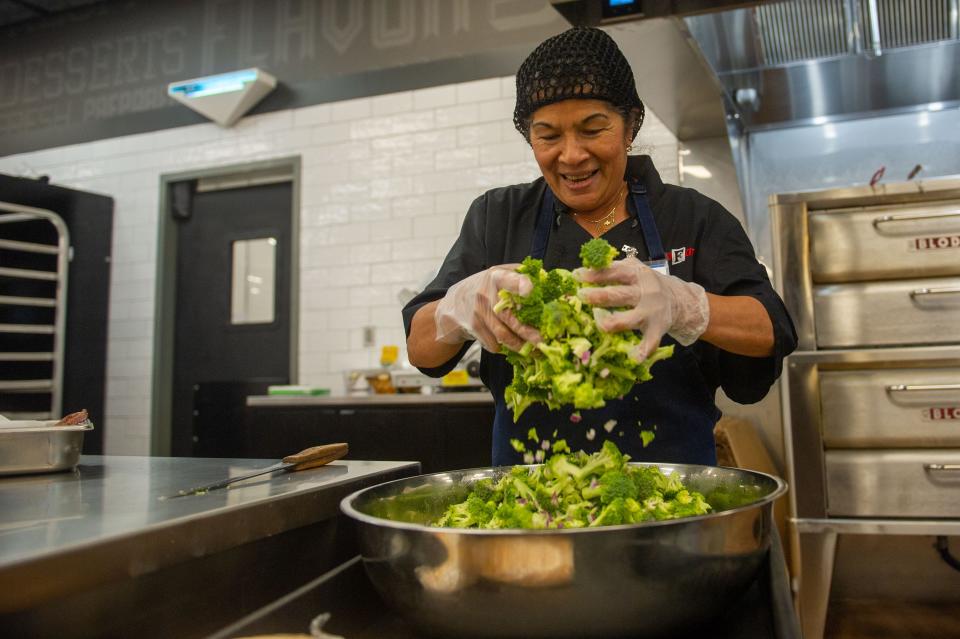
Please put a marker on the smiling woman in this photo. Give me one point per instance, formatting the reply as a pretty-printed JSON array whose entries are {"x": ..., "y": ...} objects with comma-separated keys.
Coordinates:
[
  {"x": 580, "y": 148},
  {"x": 578, "y": 108}
]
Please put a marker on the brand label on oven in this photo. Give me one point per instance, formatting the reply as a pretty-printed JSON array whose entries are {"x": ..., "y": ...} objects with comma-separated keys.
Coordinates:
[
  {"x": 938, "y": 413},
  {"x": 934, "y": 243}
]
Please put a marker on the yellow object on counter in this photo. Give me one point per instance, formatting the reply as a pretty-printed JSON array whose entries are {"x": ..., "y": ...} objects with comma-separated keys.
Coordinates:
[
  {"x": 455, "y": 378},
  {"x": 388, "y": 355}
]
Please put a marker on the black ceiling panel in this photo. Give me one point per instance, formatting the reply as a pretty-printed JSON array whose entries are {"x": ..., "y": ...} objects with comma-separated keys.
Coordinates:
[{"x": 14, "y": 11}]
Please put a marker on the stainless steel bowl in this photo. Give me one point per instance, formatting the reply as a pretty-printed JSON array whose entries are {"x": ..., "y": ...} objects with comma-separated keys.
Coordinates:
[{"x": 648, "y": 579}]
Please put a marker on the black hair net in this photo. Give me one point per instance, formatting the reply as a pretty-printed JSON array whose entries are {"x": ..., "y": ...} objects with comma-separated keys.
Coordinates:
[{"x": 582, "y": 62}]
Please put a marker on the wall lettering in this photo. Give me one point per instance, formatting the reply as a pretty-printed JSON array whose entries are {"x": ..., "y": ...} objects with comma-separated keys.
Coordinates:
[{"x": 117, "y": 59}]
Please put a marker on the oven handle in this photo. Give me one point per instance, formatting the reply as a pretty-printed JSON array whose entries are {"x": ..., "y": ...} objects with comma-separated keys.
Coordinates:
[
  {"x": 923, "y": 292},
  {"x": 941, "y": 468},
  {"x": 915, "y": 388},
  {"x": 891, "y": 219}
]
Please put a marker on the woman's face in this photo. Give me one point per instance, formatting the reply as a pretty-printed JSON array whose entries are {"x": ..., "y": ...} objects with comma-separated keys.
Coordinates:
[{"x": 581, "y": 147}]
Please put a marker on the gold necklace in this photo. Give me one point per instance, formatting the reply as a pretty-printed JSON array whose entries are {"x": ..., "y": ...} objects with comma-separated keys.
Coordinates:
[{"x": 605, "y": 221}]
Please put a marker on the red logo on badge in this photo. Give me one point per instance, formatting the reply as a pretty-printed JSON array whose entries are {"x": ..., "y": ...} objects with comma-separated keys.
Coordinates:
[{"x": 681, "y": 254}]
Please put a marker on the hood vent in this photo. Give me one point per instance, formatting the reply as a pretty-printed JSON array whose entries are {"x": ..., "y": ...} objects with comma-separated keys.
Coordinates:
[
  {"x": 794, "y": 31},
  {"x": 793, "y": 63},
  {"x": 800, "y": 31},
  {"x": 905, "y": 24}
]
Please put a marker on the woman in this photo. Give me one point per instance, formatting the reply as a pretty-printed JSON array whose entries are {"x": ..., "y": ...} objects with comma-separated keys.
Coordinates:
[{"x": 690, "y": 277}]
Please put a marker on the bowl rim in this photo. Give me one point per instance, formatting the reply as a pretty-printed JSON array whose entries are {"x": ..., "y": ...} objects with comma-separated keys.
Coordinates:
[{"x": 346, "y": 505}]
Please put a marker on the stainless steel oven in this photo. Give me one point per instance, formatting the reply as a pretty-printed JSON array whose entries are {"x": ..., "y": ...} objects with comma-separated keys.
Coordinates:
[{"x": 871, "y": 276}]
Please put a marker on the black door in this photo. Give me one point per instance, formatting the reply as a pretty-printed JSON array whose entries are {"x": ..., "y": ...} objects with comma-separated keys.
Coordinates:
[{"x": 232, "y": 318}]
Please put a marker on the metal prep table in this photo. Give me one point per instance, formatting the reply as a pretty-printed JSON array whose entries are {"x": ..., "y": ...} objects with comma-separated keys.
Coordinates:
[{"x": 96, "y": 552}]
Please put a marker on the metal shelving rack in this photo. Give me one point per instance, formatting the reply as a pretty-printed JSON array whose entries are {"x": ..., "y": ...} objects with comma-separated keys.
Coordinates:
[{"x": 12, "y": 214}]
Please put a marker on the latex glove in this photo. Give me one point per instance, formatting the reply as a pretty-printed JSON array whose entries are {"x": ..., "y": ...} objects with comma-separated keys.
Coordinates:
[
  {"x": 657, "y": 303},
  {"x": 466, "y": 311}
]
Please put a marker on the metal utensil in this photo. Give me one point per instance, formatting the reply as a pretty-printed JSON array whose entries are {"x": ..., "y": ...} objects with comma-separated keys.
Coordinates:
[
  {"x": 307, "y": 458},
  {"x": 660, "y": 578}
]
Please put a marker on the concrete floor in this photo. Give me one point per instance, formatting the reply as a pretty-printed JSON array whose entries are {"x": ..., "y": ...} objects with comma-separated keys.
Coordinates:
[{"x": 883, "y": 619}]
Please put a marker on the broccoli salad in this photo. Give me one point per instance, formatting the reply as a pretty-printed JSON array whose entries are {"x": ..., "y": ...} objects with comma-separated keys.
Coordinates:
[
  {"x": 575, "y": 490},
  {"x": 576, "y": 363}
]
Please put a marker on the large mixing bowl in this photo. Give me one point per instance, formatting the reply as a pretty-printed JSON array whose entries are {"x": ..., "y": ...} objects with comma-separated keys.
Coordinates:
[{"x": 648, "y": 579}]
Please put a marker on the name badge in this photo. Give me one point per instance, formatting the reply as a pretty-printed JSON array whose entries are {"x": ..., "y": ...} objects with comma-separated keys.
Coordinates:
[{"x": 658, "y": 265}]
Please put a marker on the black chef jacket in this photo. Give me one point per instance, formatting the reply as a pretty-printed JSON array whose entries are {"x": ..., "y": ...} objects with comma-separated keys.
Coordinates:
[{"x": 703, "y": 242}]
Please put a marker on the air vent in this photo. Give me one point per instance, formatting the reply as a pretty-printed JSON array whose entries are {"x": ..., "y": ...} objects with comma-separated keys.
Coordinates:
[
  {"x": 905, "y": 24},
  {"x": 817, "y": 29},
  {"x": 792, "y": 31}
]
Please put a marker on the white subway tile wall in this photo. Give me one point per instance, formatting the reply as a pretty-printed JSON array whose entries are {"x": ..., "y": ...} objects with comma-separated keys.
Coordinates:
[{"x": 385, "y": 184}]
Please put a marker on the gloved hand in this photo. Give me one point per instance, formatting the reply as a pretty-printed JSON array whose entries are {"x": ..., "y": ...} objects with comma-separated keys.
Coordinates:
[
  {"x": 657, "y": 303},
  {"x": 466, "y": 311}
]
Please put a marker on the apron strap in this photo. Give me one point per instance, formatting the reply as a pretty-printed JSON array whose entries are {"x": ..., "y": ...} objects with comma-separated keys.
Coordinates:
[
  {"x": 541, "y": 232},
  {"x": 647, "y": 224}
]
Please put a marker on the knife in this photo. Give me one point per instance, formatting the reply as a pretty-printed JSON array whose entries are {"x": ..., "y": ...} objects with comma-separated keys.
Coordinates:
[{"x": 307, "y": 458}]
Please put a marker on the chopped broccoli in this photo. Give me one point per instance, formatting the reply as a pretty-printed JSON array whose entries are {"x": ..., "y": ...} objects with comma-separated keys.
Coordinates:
[
  {"x": 612, "y": 514},
  {"x": 597, "y": 253},
  {"x": 472, "y": 513},
  {"x": 576, "y": 363},
  {"x": 613, "y": 484},
  {"x": 575, "y": 490}
]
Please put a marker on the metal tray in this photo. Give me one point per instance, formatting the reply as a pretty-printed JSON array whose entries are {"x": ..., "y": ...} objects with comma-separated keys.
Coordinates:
[{"x": 48, "y": 449}]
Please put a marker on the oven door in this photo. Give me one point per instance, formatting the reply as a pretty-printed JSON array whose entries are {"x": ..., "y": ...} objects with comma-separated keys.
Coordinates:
[{"x": 899, "y": 312}]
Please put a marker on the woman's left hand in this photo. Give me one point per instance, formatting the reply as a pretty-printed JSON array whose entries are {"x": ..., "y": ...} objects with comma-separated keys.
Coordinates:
[{"x": 655, "y": 303}]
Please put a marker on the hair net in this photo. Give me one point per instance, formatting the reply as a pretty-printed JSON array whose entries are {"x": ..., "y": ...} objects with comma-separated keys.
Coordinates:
[{"x": 583, "y": 63}]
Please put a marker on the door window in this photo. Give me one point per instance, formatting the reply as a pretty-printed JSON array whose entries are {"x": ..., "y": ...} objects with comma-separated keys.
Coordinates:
[{"x": 252, "y": 298}]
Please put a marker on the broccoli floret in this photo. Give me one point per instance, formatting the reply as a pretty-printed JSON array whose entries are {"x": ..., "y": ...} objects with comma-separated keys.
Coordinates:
[
  {"x": 647, "y": 436},
  {"x": 673, "y": 485},
  {"x": 597, "y": 253},
  {"x": 613, "y": 484},
  {"x": 559, "y": 318},
  {"x": 687, "y": 504},
  {"x": 587, "y": 396},
  {"x": 530, "y": 311},
  {"x": 648, "y": 480},
  {"x": 472, "y": 513},
  {"x": 512, "y": 515},
  {"x": 612, "y": 514},
  {"x": 483, "y": 489},
  {"x": 607, "y": 458},
  {"x": 531, "y": 266}
]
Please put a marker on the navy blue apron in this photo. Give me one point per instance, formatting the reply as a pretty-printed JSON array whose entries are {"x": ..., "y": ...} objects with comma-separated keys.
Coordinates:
[{"x": 676, "y": 404}]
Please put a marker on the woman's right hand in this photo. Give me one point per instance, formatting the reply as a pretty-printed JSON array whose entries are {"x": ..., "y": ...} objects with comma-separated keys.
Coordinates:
[{"x": 466, "y": 311}]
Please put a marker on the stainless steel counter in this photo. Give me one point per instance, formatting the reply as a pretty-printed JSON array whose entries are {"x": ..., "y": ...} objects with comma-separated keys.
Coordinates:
[
  {"x": 478, "y": 397},
  {"x": 61, "y": 533}
]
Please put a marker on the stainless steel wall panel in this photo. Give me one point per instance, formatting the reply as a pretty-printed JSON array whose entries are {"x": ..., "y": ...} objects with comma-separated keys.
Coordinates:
[
  {"x": 890, "y": 408},
  {"x": 885, "y": 243},
  {"x": 901, "y": 312},
  {"x": 902, "y": 483}
]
